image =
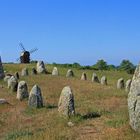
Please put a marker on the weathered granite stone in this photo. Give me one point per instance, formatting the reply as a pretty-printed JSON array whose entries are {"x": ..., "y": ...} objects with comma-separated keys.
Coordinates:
[
  {"x": 34, "y": 71},
  {"x": 84, "y": 76},
  {"x": 17, "y": 75},
  {"x": 70, "y": 73},
  {"x": 35, "y": 97},
  {"x": 134, "y": 101},
  {"x": 24, "y": 72},
  {"x": 41, "y": 67},
  {"x": 22, "y": 91},
  {"x": 66, "y": 102},
  {"x": 104, "y": 80},
  {"x": 128, "y": 85},
  {"x": 13, "y": 83},
  {"x": 1, "y": 70},
  {"x": 95, "y": 78},
  {"x": 55, "y": 71},
  {"x": 120, "y": 84},
  {"x": 6, "y": 78}
]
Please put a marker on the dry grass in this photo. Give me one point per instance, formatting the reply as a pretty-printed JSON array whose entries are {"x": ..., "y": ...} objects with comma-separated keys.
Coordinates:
[{"x": 18, "y": 122}]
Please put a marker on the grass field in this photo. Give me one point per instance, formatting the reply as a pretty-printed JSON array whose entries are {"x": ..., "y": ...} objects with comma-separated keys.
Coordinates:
[{"x": 101, "y": 110}]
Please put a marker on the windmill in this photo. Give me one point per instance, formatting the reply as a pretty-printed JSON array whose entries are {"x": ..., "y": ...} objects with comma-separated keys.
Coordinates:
[{"x": 25, "y": 55}]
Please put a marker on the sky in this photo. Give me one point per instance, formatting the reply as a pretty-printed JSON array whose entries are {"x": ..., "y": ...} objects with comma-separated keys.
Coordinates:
[{"x": 67, "y": 31}]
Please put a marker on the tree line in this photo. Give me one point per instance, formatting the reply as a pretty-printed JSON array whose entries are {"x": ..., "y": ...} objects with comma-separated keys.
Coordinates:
[{"x": 125, "y": 65}]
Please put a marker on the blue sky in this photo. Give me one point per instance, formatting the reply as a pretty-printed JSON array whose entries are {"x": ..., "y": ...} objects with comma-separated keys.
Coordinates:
[{"x": 67, "y": 31}]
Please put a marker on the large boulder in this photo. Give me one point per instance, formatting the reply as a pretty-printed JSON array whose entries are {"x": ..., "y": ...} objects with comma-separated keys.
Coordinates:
[
  {"x": 128, "y": 85},
  {"x": 84, "y": 76},
  {"x": 22, "y": 91},
  {"x": 134, "y": 101},
  {"x": 55, "y": 71},
  {"x": 35, "y": 97},
  {"x": 24, "y": 72},
  {"x": 104, "y": 80},
  {"x": 120, "y": 84},
  {"x": 66, "y": 102},
  {"x": 1, "y": 70},
  {"x": 13, "y": 83},
  {"x": 70, "y": 73},
  {"x": 41, "y": 67},
  {"x": 95, "y": 78}
]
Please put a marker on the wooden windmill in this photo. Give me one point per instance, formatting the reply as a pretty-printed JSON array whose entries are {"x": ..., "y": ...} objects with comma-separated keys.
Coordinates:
[{"x": 25, "y": 55}]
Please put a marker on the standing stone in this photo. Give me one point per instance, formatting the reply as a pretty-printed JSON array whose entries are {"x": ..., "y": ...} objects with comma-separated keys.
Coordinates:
[
  {"x": 104, "y": 80},
  {"x": 33, "y": 72},
  {"x": 41, "y": 67},
  {"x": 55, "y": 71},
  {"x": 22, "y": 91},
  {"x": 128, "y": 85},
  {"x": 120, "y": 83},
  {"x": 134, "y": 101},
  {"x": 17, "y": 75},
  {"x": 13, "y": 83},
  {"x": 66, "y": 102},
  {"x": 6, "y": 78},
  {"x": 35, "y": 97},
  {"x": 24, "y": 72},
  {"x": 84, "y": 76},
  {"x": 70, "y": 73},
  {"x": 95, "y": 78},
  {"x": 1, "y": 70}
]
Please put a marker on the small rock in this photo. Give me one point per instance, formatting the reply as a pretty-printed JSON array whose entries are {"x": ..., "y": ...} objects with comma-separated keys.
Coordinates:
[
  {"x": 24, "y": 72},
  {"x": 120, "y": 84},
  {"x": 70, "y": 124},
  {"x": 104, "y": 80},
  {"x": 70, "y": 73},
  {"x": 3, "y": 101},
  {"x": 84, "y": 76},
  {"x": 95, "y": 78},
  {"x": 55, "y": 71}
]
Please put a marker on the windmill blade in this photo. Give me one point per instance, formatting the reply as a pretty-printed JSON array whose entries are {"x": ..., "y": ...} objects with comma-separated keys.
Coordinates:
[
  {"x": 22, "y": 46},
  {"x": 18, "y": 59},
  {"x": 33, "y": 50}
]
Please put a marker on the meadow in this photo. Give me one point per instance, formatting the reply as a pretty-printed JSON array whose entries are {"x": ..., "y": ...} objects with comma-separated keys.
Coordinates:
[{"x": 101, "y": 111}]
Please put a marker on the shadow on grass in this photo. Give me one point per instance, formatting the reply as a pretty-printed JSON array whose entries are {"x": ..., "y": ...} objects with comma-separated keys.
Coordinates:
[
  {"x": 49, "y": 106},
  {"x": 91, "y": 115}
]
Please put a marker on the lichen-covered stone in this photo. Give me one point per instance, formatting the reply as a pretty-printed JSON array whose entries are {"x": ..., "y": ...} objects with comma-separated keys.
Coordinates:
[
  {"x": 128, "y": 85},
  {"x": 55, "y": 71},
  {"x": 70, "y": 73},
  {"x": 24, "y": 72},
  {"x": 134, "y": 101},
  {"x": 84, "y": 76},
  {"x": 35, "y": 97},
  {"x": 120, "y": 84},
  {"x": 95, "y": 78},
  {"x": 22, "y": 91},
  {"x": 66, "y": 102},
  {"x": 41, "y": 67},
  {"x": 13, "y": 83},
  {"x": 104, "y": 80}
]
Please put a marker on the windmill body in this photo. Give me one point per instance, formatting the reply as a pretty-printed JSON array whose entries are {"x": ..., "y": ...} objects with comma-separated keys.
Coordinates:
[{"x": 25, "y": 55}]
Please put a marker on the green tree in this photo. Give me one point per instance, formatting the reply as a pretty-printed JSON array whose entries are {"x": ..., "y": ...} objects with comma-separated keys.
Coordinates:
[
  {"x": 127, "y": 66},
  {"x": 101, "y": 65}
]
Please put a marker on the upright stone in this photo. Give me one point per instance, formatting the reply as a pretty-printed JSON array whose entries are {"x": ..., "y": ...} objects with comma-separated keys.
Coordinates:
[
  {"x": 134, "y": 101},
  {"x": 66, "y": 102},
  {"x": 13, "y": 83},
  {"x": 1, "y": 70},
  {"x": 55, "y": 71},
  {"x": 95, "y": 78},
  {"x": 104, "y": 80},
  {"x": 41, "y": 67},
  {"x": 34, "y": 71},
  {"x": 70, "y": 73},
  {"x": 84, "y": 76},
  {"x": 35, "y": 97},
  {"x": 120, "y": 84},
  {"x": 24, "y": 72},
  {"x": 17, "y": 75},
  {"x": 22, "y": 91},
  {"x": 128, "y": 85}
]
